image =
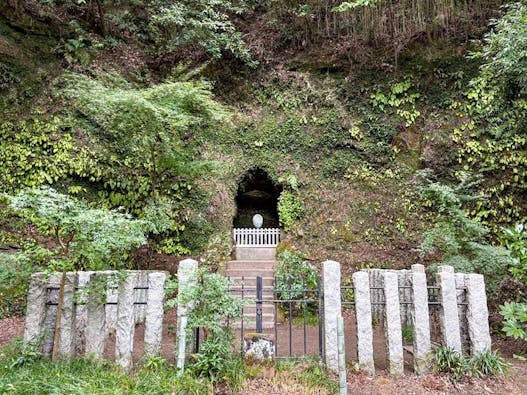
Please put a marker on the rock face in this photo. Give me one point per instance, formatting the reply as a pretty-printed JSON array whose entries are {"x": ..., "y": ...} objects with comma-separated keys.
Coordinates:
[
  {"x": 332, "y": 310},
  {"x": 258, "y": 346}
]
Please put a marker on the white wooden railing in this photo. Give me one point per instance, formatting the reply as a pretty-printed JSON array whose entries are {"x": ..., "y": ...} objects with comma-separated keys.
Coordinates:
[{"x": 254, "y": 237}]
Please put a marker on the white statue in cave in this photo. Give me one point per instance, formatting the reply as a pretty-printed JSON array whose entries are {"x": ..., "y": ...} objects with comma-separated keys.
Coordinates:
[{"x": 257, "y": 221}]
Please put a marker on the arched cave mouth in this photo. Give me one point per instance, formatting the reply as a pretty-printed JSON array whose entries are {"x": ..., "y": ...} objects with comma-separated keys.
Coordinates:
[{"x": 257, "y": 194}]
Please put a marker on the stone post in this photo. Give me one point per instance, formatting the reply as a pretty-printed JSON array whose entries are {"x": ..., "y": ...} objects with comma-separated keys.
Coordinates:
[
  {"x": 154, "y": 312},
  {"x": 477, "y": 314},
  {"x": 36, "y": 308},
  {"x": 124, "y": 331},
  {"x": 48, "y": 329},
  {"x": 140, "y": 296},
  {"x": 332, "y": 310},
  {"x": 420, "y": 319},
  {"x": 81, "y": 312},
  {"x": 66, "y": 346},
  {"x": 448, "y": 308},
  {"x": 96, "y": 319},
  {"x": 392, "y": 323},
  {"x": 112, "y": 291},
  {"x": 343, "y": 386},
  {"x": 461, "y": 295},
  {"x": 361, "y": 284},
  {"x": 187, "y": 272}
]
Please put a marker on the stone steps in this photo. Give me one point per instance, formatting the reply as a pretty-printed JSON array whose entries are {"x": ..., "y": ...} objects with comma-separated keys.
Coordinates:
[{"x": 242, "y": 274}]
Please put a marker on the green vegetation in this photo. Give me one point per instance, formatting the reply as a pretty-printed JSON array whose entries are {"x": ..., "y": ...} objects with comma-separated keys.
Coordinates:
[
  {"x": 83, "y": 238},
  {"x": 23, "y": 371},
  {"x": 213, "y": 305},
  {"x": 132, "y": 123},
  {"x": 486, "y": 364}
]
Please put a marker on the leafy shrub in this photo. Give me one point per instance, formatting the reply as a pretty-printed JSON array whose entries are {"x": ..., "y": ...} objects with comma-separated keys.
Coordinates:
[
  {"x": 515, "y": 320},
  {"x": 81, "y": 237},
  {"x": 515, "y": 240},
  {"x": 401, "y": 99},
  {"x": 15, "y": 273},
  {"x": 492, "y": 140},
  {"x": 294, "y": 273},
  {"x": 86, "y": 238},
  {"x": 213, "y": 306},
  {"x": 290, "y": 209},
  {"x": 34, "y": 152},
  {"x": 459, "y": 239},
  {"x": 485, "y": 364}
]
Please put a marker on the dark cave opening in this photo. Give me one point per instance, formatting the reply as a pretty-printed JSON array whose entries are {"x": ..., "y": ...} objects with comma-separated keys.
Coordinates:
[{"x": 257, "y": 194}]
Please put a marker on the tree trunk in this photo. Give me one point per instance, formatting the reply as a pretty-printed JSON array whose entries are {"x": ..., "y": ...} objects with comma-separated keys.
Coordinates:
[{"x": 102, "y": 21}]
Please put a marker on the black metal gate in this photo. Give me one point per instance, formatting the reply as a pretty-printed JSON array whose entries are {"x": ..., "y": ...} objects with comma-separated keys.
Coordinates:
[{"x": 289, "y": 311}]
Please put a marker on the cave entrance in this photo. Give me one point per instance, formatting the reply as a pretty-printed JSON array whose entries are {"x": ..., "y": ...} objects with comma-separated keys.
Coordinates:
[{"x": 257, "y": 194}]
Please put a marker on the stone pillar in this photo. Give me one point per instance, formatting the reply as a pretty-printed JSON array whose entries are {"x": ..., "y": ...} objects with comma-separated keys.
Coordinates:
[
  {"x": 48, "y": 329},
  {"x": 420, "y": 319},
  {"x": 187, "y": 272},
  {"x": 96, "y": 319},
  {"x": 154, "y": 312},
  {"x": 140, "y": 296},
  {"x": 112, "y": 291},
  {"x": 376, "y": 293},
  {"x": 332, "y": 310},
  {"x": 448, "y": 308},
  {"x": 392, "y": 324},
  {"x": 124, "y": 331},
  {"x": 66, "y": 346},
  {"x": 361, "y": 284},
  {"x": 81, "y": 312},
  {"x": 461, "y": 295},
  {"x": 36, "y": 308},
  {"x": 477, "y": 314}
]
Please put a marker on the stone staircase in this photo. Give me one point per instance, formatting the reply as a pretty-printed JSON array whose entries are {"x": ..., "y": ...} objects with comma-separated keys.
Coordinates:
[{"x": 243, "y": 275}]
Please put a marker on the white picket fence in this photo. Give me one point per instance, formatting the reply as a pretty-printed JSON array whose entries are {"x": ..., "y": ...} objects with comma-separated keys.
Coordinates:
[{"x": 254, "y": 237}]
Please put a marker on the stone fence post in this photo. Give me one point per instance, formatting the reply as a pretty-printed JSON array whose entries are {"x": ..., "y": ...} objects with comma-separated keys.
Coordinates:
[
  {"x": 450, "y": 329},
  {"x": 420, "y": 319},
  {"x": 187, "y": 272},
  {"x": 477, "y": 314},
  {"x": 332, "y": 310},
  {"x": 363, "y": 312}
]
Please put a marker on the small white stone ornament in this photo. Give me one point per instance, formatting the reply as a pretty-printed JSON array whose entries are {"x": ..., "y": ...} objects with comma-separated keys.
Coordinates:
[{"x": 257, "y": 221}]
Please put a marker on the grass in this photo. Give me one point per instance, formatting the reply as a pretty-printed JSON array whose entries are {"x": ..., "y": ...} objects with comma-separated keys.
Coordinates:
[
  {"x": 309, "y": 373},
  {"x": 458, "y": 367},
  {"x": 86, "y": 376},
  {"x": 24, "y": 371}
]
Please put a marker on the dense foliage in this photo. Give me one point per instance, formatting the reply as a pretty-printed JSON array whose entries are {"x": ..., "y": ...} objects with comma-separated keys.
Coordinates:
[
  {"x": 81, "y": 238},
  {"x": 212, "y": 306},
  {"x": 493, "y": 142}
]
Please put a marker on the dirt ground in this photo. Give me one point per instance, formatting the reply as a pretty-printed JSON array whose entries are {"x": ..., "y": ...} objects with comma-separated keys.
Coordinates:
[{"x": 269, "y": 382}]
